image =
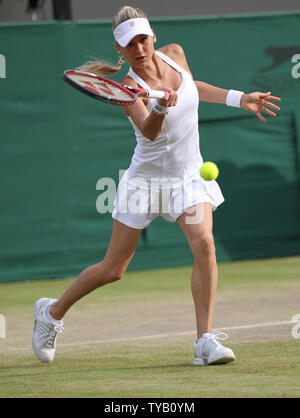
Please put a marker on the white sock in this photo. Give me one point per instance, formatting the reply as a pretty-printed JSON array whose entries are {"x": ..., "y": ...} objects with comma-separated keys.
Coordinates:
[{"x": 50, "y": 318}]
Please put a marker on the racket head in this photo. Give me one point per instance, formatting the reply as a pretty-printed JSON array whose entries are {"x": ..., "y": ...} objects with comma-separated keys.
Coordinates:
[{"x": 100, "y": 88}]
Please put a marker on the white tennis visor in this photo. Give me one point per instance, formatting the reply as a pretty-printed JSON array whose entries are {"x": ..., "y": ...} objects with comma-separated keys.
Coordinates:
[{"x": 130, "y": 28}]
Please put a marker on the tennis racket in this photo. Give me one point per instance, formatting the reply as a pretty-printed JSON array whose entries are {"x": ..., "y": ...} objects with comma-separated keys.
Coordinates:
[{"x": 106, "y": 90}]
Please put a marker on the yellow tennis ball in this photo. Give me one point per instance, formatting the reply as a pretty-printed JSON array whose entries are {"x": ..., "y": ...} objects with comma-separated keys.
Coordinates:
[{"x": 209, "y": 171}]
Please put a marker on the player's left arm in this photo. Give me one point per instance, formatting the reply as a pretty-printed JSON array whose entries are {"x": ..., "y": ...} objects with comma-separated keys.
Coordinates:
[{"x": 255, "y": 102}]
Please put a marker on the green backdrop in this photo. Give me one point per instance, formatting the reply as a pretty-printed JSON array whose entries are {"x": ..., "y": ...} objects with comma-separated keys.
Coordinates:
[{"x": 56, "y": 143}]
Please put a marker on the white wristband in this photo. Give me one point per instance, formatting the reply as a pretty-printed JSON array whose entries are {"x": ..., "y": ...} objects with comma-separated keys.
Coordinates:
[
  {"x": 161, "y": 110},
  {"x": 234, "y": 98}
]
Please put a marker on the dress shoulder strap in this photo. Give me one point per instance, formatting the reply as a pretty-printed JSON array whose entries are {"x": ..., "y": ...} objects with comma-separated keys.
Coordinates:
[
  {"x": 169, "y": 61},
  {"x": 138, "y": 79}
]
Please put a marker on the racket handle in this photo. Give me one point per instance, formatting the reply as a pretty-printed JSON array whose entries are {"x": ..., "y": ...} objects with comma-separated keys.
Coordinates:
[{"x": 156, "y": 94}]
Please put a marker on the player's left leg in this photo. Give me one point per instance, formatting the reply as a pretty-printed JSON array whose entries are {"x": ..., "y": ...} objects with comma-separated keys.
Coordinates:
[
  {"x": 49, "y": 313},
  {"x": 197, "y": 227}
]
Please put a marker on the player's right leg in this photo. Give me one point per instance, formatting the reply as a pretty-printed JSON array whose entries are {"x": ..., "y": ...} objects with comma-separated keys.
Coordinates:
[{"x": 48, "y": 313}]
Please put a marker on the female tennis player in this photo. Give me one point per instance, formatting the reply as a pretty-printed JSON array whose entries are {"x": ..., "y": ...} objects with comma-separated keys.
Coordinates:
[{"x": 167, "y": 148}]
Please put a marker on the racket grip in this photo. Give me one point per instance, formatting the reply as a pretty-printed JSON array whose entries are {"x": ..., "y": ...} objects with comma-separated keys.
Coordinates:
[{"x": 156, "y": 94}]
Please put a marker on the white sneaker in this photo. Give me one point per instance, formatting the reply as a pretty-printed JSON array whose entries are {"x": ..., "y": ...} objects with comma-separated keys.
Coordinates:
[
  {"x": 210, "y": 351},
  {"x": 45, "y": 331}
]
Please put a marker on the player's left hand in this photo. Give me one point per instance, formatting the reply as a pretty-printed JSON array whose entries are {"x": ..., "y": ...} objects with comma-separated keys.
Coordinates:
[{"x": 260, "y": 102}]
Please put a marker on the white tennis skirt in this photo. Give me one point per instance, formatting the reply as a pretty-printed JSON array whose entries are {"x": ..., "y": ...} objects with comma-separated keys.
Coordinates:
[{"x": 139, "y": 201}]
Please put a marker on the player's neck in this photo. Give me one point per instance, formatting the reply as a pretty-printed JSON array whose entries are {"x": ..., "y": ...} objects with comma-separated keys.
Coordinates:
[{"x": 153, "y": 71}]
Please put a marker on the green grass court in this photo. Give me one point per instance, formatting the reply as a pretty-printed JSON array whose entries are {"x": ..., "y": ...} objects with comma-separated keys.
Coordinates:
[{"x": 107, "y": 350}]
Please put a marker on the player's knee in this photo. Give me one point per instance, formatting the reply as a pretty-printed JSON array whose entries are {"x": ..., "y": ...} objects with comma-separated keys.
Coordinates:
[
  {"x": 115, "y": 276},
  {"x": 116, "y": 273},
  {"x": 106, "y": 273},
  {"x": 204, "y": 247}
]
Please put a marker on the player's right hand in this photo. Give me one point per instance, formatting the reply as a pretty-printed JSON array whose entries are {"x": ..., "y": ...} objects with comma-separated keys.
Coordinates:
[{"x": 170, "y": 98}]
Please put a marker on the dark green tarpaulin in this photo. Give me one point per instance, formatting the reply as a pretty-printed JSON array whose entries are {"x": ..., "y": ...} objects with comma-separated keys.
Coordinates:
[{"x": 57, "y": 143}]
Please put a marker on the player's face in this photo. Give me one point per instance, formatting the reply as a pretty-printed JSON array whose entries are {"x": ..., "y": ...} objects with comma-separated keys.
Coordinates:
[{"x": 139, "y": 51}]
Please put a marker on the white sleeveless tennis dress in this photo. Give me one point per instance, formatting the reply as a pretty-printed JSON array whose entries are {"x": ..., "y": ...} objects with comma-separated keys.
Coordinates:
[{"x": 163, "y": 178}]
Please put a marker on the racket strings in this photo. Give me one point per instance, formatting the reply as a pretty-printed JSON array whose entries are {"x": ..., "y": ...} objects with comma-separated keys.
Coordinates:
[{"x": 107, "y": 91}]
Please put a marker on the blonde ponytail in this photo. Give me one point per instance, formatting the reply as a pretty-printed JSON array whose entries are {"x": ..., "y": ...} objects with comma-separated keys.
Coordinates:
[
  {"x": 104, "y": 68},
  {"x": 101, "y": 67}
]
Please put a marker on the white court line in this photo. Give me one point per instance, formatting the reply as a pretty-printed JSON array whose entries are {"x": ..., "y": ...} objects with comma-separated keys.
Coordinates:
[{"x": 171, "y": 334}]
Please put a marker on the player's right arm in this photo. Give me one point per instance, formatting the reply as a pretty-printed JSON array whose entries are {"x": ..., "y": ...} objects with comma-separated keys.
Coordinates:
[{"x": 150, "y": 124}]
